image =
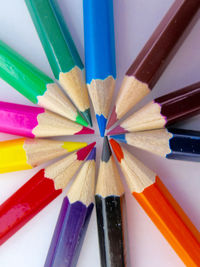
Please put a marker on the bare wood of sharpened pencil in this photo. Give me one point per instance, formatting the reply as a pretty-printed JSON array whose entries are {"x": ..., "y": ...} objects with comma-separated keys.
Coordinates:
[
  {"x": 60, "y": 170},
  {"x": 80, "y": 191},
  {"x": 39, "y": 151},
  {"x": 147, "y": 118},
  {"x": 130, "y": 93},
  {"x": 50, "y": 124},
  {"x": 109, "y": 182},
  {"x": 156, "y": 141},
  {"x": 56, "y": 101},
  {"x": 137, "y": 175}
]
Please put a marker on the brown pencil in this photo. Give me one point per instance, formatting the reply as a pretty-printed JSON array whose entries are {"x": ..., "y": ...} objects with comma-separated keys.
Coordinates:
[{"x": 154, "y": 57}]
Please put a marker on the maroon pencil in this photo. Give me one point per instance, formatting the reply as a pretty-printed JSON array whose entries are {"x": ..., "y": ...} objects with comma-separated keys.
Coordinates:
[
  {"x": 163, "y": 111},
  {"x": 154, "y": 57}
]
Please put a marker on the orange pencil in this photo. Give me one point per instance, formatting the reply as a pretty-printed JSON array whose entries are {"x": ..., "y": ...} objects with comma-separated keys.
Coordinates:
[{"x": 160, "y": 206}]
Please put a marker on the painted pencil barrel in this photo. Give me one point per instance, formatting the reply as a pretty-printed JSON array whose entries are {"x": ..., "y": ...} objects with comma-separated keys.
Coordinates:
[
  {"x": 66, "y": 33},
  {"x": 13, "y": 156},
  {"x": 21, "y": 74},
  {"x": 184, "y": 145},
  {"x": 69, "y": 234},
  {"x": 172, "y": 222},
  {"x": 51, "y": 36},
  {"x": 109, "y": 217},
  {"x": 18, "y": 119},
  {"x": 180, "y": 104},
  {"x": 99, "y": 39},
  {"x": 154, "y": 57},
  {"x": 26, "y": 203}
]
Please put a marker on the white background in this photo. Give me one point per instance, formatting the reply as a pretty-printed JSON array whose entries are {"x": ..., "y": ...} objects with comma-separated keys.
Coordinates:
[{"x": 134, "y": 22}]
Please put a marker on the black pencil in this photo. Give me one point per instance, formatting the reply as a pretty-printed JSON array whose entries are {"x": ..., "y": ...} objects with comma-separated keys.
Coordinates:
[{"x": 109, "y": 208}]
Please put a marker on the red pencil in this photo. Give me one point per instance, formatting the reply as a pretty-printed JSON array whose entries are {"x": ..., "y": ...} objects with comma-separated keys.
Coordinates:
[{"x": 38, "y": 192}]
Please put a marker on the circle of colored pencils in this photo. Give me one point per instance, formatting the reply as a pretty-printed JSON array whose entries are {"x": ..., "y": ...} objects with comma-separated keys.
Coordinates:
[
  {"x": 36, "y": 122},
  {"x": 163, "y": 111},
  {"x": 109, "y": 199},
  {"x": 38, "y": 192},
  {"x": 160, "y": 206},
  {"x": 60, "y": 51},
  {"x": 35, "y": 85},
  {"x": 74, "y": 218},
  {"x": 147, "y": 68},
  {"x": 100, "y": 56},
  {"x": 25, "y": 153},
  {"x": 170, "y": 143}
]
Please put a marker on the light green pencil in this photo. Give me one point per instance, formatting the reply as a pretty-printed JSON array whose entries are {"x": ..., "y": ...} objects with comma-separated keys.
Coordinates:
[{"x": 35, "y": 85}]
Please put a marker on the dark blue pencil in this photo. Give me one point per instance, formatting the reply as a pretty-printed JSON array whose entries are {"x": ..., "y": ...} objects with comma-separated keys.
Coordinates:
[{"x": 171, "y": 143}]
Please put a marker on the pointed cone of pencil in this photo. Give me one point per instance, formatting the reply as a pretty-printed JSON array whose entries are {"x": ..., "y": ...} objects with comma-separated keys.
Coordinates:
[
  {"x": 71, "y": 146},
  {"x": 106, "y": 151},
  {"x": 117, "y": 130},
  {"x": 113, "y": 119},
  {"x": 119, "y": 137},
  {"x": 81, "y": 120},
  {"x": 92, "y": 155},
  {"x": 87, "y": 115},
  {"x": 101, "y": 120},
  {"x": 83, "y": 152},
  {"x": 85, "y": 130},
  {"x": 117, "y": 150}
]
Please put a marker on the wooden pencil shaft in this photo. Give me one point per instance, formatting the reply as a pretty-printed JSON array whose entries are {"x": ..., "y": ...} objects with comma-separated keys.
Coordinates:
[
  {"x": 69, "y": 234},
  {"x": 170, "y": 223},
  {"x": 21, "y": 74},
  {"x": 25, "y": 204},
  {"x": 110, "y": 230},
  {"x": 60, "y": 51},
  {"x": 151, "y": 61},
  {"x": 161, "y": 207}
]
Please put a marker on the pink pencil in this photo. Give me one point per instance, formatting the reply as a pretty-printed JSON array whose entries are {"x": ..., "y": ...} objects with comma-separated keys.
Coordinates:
[{"x": 36, "y": 122}]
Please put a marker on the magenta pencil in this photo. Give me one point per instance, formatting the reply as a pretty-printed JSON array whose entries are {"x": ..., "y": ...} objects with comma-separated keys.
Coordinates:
[{"x": 33, "y": 122}]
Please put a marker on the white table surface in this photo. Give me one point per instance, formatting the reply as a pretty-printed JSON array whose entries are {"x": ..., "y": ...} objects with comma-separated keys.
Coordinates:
[{"x": 134, "y": 22}]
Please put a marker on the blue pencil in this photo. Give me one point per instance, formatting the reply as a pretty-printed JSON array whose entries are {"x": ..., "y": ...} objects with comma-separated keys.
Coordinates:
[
  {"x": 100, "y": 56},
  {"x": 170, "y": 143}
]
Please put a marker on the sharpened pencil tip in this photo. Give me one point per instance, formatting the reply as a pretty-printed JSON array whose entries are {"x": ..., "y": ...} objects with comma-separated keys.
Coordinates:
[
  {"x": 92, "y": 155},
  {"x": 85, "y": 130},
  {"x": 87, "y": 115},
  {"x": 117, "y": 130},
  {"x": 81, "y": 120},
  {"x": 119, "y": 137},
  {"x": 101, "y": 120},
  {"x": 113, "y": 118},
  {"x": 117, "y": 150},
  {"x": 106, "y": 151},
  {"x": 72, "y": 146},
  {"x": 83, "y": 152}
]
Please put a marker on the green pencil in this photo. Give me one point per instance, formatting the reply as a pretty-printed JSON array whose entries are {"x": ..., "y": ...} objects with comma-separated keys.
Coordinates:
[{"x": 59, "y": 48}]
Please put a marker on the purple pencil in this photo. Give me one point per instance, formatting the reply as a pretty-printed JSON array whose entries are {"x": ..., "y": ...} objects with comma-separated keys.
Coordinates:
[{"x": 74, "y": 218}]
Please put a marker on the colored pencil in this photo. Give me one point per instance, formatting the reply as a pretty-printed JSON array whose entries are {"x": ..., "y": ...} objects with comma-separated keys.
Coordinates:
[
  {"x": 38, "y": 192},
  {"x": 170, "y": 143},
  {"x": 147, "y": 68},
  {"x": 160, "y": 206},
  {"x": 61, "y": 53},
  {"x": 35, "y": 85},
  {"x": 163, "y": 111},
  {"x": 33, "y": 122},
  {"x": 24, "y": 153},
  {"x": 109, "y": 200},
  {"x": 74, "y": 218},
  {"x": 100, "y": 56}
]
